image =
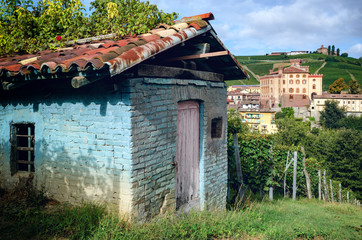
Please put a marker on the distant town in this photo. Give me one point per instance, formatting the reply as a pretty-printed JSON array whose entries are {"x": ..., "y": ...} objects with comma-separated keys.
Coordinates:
[{"x": 288, "y": 85}]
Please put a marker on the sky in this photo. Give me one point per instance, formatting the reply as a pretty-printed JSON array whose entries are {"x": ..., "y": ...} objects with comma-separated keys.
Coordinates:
[{"x": 257, "y": 27}]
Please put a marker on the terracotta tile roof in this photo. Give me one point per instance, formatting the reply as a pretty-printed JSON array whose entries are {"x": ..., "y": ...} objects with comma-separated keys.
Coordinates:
[
  {"x": 338, "y": 96},
  {"x": 294, "y": 70},
  {"x": 297, "y": 101},
  {"x": 111, "y": 57}
]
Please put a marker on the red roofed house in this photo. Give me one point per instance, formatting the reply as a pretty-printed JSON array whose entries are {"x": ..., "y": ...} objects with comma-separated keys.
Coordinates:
[
  {"x": 293, "y": 86},
  {"x": 138, "y": 123}
]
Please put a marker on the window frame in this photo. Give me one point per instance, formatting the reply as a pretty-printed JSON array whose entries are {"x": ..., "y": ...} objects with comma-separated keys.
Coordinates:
[{"x": 22, "y": 138}]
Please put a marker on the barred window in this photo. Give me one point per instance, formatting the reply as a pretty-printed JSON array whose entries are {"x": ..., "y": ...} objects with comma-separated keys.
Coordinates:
[{"x": 22, "y": 147}]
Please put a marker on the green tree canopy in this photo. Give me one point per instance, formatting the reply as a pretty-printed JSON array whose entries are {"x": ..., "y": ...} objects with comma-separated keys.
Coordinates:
[
  {"x": 27, "y": 26},
  {"x": 235, "y": 124},
  {"x": 337, "y": 86},
  {"x": 332, "y": 114},
  {"x": 354, "y": 87},
  {"x": 344, "y": 55},
  {"x": 291, "y": 131},
  {"x": 285, "y": 113}
]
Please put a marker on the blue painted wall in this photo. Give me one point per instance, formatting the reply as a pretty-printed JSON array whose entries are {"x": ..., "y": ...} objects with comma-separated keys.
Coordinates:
[{"x": 82, "y": 143}]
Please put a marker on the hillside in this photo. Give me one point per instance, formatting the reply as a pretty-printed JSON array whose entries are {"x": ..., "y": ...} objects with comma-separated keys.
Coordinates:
[{"x": 334, "y": 68}]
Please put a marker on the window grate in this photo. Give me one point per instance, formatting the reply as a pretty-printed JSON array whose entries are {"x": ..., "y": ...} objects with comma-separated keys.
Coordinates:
[{"x": 23, "y": 144}]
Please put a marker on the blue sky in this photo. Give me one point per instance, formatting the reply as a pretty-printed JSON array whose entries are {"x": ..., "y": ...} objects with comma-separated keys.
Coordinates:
[{"x": 257, "y": 27}]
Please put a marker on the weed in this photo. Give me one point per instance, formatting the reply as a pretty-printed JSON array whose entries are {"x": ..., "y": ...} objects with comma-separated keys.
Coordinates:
[{"x": 280, "y": 219}]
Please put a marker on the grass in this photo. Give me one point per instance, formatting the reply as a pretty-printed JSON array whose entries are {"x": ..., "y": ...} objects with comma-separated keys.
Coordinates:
[
  {"x": 313, "y": 65},
  {"x": 280, "y": 219},
  {"x": 260, "y": 68},
  {"x": 334, "y": 70}
]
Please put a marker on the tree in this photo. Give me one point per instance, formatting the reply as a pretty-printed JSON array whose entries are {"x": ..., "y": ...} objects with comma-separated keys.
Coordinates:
[
  {"x": 333, "y": 50},
  {"x": 291, "y": 132},
  {"x": 344, "y": 159},
  {"x": 344, "y": 55},
  {"x": 354, "y": 87},
  {"x": 285, "y": 113},
  {"x": 329, "y": 49},
  {"x": 235, "y": 124},
  {"x": 127, "y": 17},
  {"x": 27, "y": 26},
  {"x": 338, "y": 51},
  {"x": 332, "y": 114},
  {"x": 337, "y": 86},
  {"x": 351, "y": 122}
]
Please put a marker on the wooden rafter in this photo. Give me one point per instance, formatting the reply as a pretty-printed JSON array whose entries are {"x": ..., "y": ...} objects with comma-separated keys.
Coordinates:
[{"x": 196, "y": 56}]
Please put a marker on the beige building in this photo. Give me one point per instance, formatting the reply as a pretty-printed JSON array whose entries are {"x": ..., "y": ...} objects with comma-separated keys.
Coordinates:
[
  {"x": 243, "y": 100},
  {"x": 259, "y": 120},
  {"x": 351, "y": 102},
  {"x": 245, "y": 88},
  {"x": 322, "y": 50},
  {"x": 293, "y": 86}
]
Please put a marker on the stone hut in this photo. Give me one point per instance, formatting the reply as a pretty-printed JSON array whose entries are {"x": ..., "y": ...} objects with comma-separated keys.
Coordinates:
[{"x": 137, "y": 123}]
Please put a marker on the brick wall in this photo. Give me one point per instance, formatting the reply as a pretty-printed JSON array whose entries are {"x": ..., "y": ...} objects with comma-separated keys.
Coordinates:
[
  {"x": 82, "y": 144},
  {"x": 97, "y": 144},
  {"x": 154, "y": 124}
]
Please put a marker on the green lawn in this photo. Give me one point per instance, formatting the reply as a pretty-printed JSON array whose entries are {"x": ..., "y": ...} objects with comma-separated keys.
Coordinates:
[{"x": 280, "y": 219}]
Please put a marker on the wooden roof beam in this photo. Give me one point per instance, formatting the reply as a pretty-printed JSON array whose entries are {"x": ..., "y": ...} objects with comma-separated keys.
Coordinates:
[
  {"x": 145, "y": 70},
  {"x": 198, "y": 56}
]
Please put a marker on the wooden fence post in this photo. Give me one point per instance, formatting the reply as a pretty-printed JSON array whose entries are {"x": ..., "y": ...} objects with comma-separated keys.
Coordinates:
[
  {"x": 319, "y": 185},
  {"x": 331, "y": 187},
  {"x": 347, "y": 196},
  {"x": 295, "y": 175},
  {"x": 307, "y": 178},
  {"x": 285, "y": 176},
  {"x": 340, "y": 193},
  {"x": 326, "y": 195},
  {"x": 239, "y": 172},
  {"x": 271, "y": 174}
]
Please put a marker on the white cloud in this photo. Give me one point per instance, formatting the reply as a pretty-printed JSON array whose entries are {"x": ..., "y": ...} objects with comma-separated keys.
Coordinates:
[
  {"x": 260, "y": 26},
  {"x": 355, "y": 50}
]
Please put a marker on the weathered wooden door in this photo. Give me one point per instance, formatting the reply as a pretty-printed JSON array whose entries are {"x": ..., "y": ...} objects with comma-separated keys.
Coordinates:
[{"x": 187, "y": 155}]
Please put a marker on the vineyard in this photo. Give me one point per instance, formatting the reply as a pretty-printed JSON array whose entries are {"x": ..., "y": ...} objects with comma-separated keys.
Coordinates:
[{"x": 266, "y": 164}]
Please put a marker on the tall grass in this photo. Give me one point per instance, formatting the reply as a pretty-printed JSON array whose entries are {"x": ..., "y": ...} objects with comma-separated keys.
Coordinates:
[{"x": 280, "y": 219}]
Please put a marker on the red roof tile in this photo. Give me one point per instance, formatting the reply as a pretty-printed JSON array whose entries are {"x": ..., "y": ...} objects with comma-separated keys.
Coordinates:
[
  {"x": 294, "y": 70},
  {"x": 118, "y": 55}
]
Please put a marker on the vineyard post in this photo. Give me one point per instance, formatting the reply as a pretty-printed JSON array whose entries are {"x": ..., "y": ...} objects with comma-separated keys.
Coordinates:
[
  {"x": 239, "y": 172},
  {"x": 285, "y": 176},
  {"x": 319, "y": 185},
  {"x": 340, "y": 193},
  {"x": 271, "y": 174},
  {"x": 331, "y": 186},
  {"x": 306, "y": 174},
  {"x": 326, "y": 196},
  {"x": 295, "y": 175},
  {"x": 347, "y": 197}
]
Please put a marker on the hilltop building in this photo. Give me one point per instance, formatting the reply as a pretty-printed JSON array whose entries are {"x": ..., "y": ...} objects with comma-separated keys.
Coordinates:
[
  {"x": 293, "y": 86},
  {"x": 322, "y": 50}
]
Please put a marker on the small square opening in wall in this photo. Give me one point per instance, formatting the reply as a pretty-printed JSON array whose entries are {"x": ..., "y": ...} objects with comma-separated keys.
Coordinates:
[
  {"x": 22, "y": 147},
  {"x": 216, "y": 127}
]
